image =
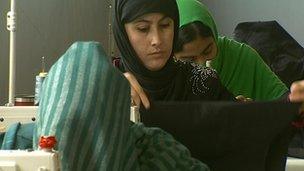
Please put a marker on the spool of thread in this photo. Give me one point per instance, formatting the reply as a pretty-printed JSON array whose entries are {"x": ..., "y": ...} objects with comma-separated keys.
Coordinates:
[
  {"x": 134, "y": 114},
  {"x": 38, "y": 86}
]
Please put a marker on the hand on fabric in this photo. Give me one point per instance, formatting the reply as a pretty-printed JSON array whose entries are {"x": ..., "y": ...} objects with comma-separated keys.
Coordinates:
[
  {"x": 242, "y": 98},
  {"x": 297, "y": 91},
  {"x": 137, "y": 93}
]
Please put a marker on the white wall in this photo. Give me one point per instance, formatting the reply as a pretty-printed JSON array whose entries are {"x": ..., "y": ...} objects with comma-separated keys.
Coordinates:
[{"x": 289, "y": 13}]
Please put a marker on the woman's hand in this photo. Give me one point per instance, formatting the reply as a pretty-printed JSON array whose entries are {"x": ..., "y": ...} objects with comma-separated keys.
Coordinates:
[
  {"x": 297, "y": 91},
  {"x": 242, "y": 98},
  {"x": 137, "y": 93}
]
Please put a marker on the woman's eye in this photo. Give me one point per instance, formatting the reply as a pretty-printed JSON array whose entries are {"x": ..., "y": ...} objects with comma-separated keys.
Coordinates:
[
  {"x": 143, "y": 29},
  {"x": 165, "y": 25}
]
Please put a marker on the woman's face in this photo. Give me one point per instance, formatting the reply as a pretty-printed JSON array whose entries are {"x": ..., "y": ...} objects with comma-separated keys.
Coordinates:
[
  {"x": 151, "y": 36},
  {"x": 199, "y": 50}
]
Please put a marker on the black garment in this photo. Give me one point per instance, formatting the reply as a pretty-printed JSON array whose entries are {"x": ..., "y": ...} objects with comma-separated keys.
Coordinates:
[
  {"x": 195, "y": 83},
  {"x": 227, "y": 135},
  {"x": 176, "y": 80},
  {"x": 278, "y": 48}
]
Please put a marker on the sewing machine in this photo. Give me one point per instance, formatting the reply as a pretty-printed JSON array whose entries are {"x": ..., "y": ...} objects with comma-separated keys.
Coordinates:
[
  {"x": 27, "y": 114},
  {"x": 10, "y": 115},
  {"x": 15, "y": 160}
]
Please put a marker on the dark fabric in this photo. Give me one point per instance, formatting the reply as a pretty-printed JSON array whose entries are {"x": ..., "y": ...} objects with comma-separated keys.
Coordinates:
[
  {"x": 175, "y": 81},
  {"x": 278, "y": 48},
  {"x": 227, "y": 135},
  {"x": 136, "y": 8}
]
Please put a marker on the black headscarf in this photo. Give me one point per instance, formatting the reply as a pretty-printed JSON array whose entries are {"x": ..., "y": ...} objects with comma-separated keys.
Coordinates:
[
  {"x": 158, "y": 84},
  {"x": 175, "y": 81}
]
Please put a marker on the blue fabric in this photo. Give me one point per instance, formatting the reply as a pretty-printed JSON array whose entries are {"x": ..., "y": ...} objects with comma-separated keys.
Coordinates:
[
  {"x": 24, "y": 139},
  {"x": 10, "y": 137},
  {"x": 1, "y": 138},
  {"x": 18, "y": 136}
]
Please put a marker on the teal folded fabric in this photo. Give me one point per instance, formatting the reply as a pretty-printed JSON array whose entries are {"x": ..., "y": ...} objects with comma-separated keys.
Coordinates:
[
  {"x": 9, "y": 139},
  {"x": 18, "y": 136},
  {"x": 24, "y": 136},
  {"x": 1, "y": 138},
  {"x": 85, "y": 104}
]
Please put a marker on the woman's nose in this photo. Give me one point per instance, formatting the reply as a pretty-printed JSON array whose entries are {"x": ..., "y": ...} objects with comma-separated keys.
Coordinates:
[{"x": 156, "y": 38}]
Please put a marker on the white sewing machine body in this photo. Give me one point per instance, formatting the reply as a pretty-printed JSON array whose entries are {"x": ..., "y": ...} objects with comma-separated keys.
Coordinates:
[
  {"x": 27, "y": 114},
  {"x": 22, "y": 114},
  {"x": 22, "y": 160},
  {"x": 294, "y": 164}
]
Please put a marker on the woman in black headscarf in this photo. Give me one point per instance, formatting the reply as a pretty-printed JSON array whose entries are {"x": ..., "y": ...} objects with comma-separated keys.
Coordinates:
[{"x": 145, "y": 32}]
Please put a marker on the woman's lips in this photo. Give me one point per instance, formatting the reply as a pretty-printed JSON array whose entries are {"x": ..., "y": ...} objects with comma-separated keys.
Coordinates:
[{"x": 156, "y": 54}]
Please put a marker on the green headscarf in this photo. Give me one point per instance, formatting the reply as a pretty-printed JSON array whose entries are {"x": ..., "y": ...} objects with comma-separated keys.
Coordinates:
[{"x": 241, "y": 69}]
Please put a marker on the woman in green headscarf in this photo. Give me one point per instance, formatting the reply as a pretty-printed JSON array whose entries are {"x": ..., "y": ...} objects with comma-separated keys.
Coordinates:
[{"x": 240, "y": 67}]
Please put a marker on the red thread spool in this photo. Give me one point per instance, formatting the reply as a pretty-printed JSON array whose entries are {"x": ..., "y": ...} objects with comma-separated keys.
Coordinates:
[{"x": 47, "y": 142}]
